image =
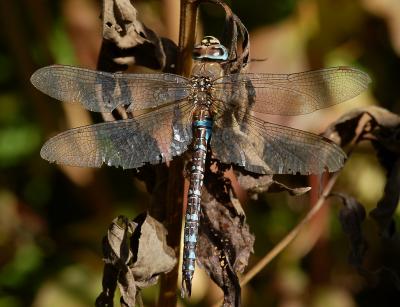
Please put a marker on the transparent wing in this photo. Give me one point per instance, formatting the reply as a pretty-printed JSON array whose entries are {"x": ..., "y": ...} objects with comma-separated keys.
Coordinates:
[
  {"x": 102, "y": 92},
  {"x": 268, "y": 148},
  {"x": 291, "y": 94},
  {"x": 152, "y": 138}
]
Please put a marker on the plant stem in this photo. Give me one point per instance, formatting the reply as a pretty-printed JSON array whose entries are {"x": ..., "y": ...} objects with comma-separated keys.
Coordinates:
[
  {"x": 292, "y": 234},
  {"x": 187, "y": 32},
  {"x": 173, "y": 223},
  {"x": 174, "y": 199}
]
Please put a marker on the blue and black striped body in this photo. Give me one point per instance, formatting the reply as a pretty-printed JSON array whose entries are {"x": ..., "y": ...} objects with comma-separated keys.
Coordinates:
[
  {"x": 202, "y": 131},
  {"x": 203, "y": 113},
  {"x": 208, "y": 57}
]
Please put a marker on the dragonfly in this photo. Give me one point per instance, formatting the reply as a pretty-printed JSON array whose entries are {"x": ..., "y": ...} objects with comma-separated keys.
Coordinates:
[{"x": 210, "y": 111}]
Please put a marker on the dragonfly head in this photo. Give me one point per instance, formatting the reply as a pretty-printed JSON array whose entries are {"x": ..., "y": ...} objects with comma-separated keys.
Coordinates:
[{"x": 210, "y": 49}]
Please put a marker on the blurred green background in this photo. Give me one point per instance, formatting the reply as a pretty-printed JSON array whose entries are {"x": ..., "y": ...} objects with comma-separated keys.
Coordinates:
[{"x": 52, "y": 218}]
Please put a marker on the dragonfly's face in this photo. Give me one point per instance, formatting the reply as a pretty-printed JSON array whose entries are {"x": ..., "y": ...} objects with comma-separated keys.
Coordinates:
[{"x": 210, "y": 49}]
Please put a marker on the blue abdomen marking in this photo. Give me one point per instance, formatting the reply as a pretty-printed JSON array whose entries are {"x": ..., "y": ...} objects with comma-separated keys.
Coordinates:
[
  {"x": 207, "y": 124},
  {"x": 202, "y": 128}
]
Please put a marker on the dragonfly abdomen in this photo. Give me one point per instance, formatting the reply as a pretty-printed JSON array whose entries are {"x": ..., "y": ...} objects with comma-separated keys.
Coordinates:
[{"x": 202, "y": 128}]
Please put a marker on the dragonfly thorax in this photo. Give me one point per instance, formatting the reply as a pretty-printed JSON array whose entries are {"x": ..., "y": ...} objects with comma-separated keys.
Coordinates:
[
  {"x": 202, "y": 84},
  {"x": 201, "y": 91}
]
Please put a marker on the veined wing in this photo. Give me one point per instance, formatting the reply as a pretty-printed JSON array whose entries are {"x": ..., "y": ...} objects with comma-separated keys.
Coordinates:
[
  {"x": 291, "y": 94},
  {"x": 102, "y": 92},
  {"x": 153, "y": 138},
  {"x": 268, "y": 148}
]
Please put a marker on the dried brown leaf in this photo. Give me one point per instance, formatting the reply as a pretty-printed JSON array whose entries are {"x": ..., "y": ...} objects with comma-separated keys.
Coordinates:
[
  {"x": 280, "y": 187},
  {"x": 256, "y": 184},
  {"x": 225, "y": 242},
  {"x": 382, "y": 128},
  {"x": 351, "y": 217},
  {"x": 135, "y": 253},
  {"x": 127, "y": 41},
  {"x": 235, "y": 32},
  {"x": 347, "y": 127},
  {"x": 387, "y": 205},
  {"x": 154, "y": 256},
  {"x": 127, "y": 288},
  {"x": 120, "y": 24}
]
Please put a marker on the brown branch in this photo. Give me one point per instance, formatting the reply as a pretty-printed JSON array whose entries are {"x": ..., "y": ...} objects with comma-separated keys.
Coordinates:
[
  {"x": 187, "y": 32},
  {"x": 173, "y": 224},
  {"x": 292, "y": 234},
  {"x": 174, "y": 210}
]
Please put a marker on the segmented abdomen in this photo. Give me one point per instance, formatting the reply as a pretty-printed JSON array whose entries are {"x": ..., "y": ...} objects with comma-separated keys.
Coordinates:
[{"x": 202, "y": 132}]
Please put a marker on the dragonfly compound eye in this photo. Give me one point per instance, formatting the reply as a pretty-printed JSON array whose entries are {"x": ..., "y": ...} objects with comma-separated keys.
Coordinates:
[{"x": 210, "y": 49}]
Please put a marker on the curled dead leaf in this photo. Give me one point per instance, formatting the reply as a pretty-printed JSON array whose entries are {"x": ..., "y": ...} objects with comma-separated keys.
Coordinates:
[
  {"x": 255, "y": 184},
  {"x": 135, "y": 254},
  {"x": 127, "y": 41},
  {"x": 224, "y": 246},
  {"x": 351, "y": 217},
  {"x": 382, "y": 128},
  {"x": 225, "y": 241},
  {"x": 387, "y": 205},
  {"x": 363, "y": 122}
]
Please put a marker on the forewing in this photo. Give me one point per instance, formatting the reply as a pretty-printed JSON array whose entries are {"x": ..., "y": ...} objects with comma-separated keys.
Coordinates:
[
  {"x": 291, "y": 94},
  {"x": 268, "y": 148},
  {"x": 102, "y": 92},
  {"x": 152, "y": 138}
]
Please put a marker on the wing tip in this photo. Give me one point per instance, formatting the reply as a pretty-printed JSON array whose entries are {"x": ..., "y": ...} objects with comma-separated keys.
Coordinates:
[
  {"x": 50, "y": 153},
  {"x": 36, "y": 77},
  {"x": 42, "y": 76},
  {"x": 365, "y": 77},
  {"x": 44, "y": 152}
]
